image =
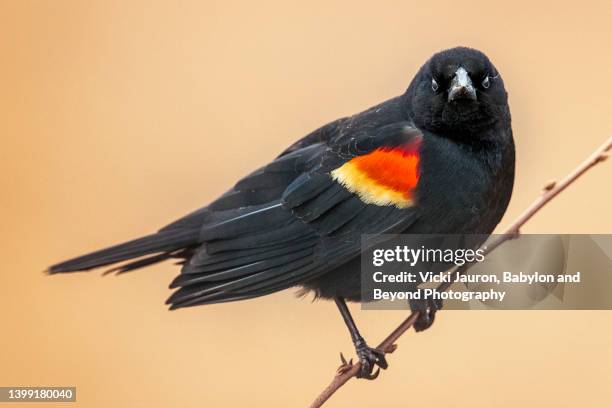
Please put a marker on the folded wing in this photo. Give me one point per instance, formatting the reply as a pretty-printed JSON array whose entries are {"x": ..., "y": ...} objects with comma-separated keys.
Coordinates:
[{"x": 301, "y": 216}]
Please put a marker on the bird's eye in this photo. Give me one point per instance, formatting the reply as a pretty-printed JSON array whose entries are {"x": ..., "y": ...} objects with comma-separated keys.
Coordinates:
[
  {"x": 434, "y": 85},
  {"x": 486, "y": 83}
]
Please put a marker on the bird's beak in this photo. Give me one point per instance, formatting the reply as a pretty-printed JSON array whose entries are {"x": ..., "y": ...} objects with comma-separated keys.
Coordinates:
[{"x": 461, "y": 86}]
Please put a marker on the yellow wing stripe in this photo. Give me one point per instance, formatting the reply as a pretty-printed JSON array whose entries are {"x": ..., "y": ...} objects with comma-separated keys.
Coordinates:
[{"x": 368, "y": 189}]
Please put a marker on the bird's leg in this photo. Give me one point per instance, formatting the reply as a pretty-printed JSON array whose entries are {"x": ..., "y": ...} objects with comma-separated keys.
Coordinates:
[
  {"x": 427, "y": 309},
  {"x": 368, "y": 356}
]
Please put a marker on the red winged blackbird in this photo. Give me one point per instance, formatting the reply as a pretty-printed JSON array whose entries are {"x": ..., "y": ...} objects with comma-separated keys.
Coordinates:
[{"x": 437, "y": 159}]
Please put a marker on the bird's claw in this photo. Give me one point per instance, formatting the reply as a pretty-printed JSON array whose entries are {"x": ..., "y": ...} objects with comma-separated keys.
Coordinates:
[
  {"x": 369, "y": 358},
  {"x": 427, "y": 309},
  {"x": 371, "y": 376}
]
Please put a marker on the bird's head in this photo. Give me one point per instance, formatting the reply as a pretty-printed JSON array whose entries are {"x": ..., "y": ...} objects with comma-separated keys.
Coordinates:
[{"x": 457, "y": 92}]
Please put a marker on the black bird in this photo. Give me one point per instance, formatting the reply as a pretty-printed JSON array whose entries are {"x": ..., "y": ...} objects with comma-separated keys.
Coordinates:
[{"x": 437, "y": 159}]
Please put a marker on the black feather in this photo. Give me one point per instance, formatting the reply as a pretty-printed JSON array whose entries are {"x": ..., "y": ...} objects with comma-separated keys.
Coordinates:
[
  {"x": 306, "y": 187},
  {"x": 160, "y": 242}
]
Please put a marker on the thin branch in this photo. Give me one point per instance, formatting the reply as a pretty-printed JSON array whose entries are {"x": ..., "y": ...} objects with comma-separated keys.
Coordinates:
[{"x": 551, "y": 190}]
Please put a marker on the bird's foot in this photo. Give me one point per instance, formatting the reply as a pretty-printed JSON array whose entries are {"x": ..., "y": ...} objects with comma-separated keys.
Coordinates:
[
  {"x": 369, "y": 357},
  {"x": 427, "y": 309}
]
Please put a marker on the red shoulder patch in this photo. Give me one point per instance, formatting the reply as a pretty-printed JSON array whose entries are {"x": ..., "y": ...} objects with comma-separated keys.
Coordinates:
[{"x": 385, "y": 176}]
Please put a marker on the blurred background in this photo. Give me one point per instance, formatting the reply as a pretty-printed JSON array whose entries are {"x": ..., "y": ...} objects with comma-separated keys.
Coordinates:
[{"x": 117, "y": 117}]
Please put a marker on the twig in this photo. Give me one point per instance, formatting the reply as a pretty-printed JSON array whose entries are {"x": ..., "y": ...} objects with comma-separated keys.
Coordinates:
[{"x": 551, "y": 190}]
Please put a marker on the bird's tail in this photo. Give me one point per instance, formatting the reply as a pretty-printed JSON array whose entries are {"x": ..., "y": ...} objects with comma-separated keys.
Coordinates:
[{"x": 164, "y": 244}]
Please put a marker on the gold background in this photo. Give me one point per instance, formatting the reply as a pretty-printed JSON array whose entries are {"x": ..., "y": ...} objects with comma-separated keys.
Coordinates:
[{"x": 117, "y": 117}]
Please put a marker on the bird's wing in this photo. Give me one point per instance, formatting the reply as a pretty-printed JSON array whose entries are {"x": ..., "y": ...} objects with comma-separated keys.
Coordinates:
[
  {"x": 333, "y": 191},
  {"x": 324, "y": 134},
  {"x": 267, "y": 183}
]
